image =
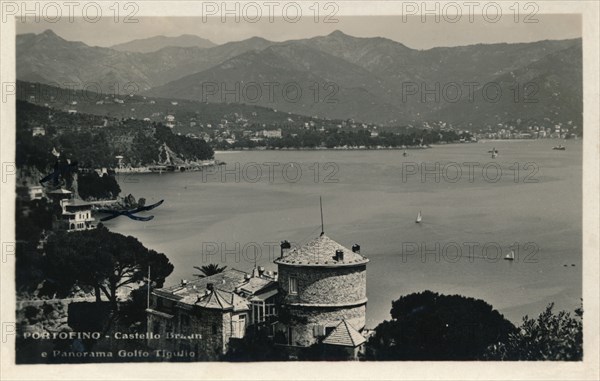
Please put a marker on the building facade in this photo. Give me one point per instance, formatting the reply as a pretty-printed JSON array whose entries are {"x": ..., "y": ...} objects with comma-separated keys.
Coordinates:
[{"x": 203, "y": 316}]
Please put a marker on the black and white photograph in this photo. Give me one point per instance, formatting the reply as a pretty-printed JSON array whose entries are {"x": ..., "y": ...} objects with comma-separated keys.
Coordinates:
[{"x": 230, "y": 184}]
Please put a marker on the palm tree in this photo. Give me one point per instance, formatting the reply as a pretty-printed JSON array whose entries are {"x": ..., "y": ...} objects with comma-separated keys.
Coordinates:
[{"x": 209, "y": 270}]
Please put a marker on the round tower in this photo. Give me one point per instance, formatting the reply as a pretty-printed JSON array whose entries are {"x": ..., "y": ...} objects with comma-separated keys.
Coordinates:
[{"x": 320, "y": 284}]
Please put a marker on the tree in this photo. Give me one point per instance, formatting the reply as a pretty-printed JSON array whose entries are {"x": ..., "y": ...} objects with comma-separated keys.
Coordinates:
[
  {"x": 209, "y": 270},
  {"x": 92, "y": 186},
  {"x": 549, "y": 337},
  {"x": 103, "y": 260},
  {"x": 430, "y": 326}
]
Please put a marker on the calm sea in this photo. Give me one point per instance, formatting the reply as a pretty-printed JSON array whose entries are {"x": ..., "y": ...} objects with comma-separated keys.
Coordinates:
[{"x": 475, "y": 209}]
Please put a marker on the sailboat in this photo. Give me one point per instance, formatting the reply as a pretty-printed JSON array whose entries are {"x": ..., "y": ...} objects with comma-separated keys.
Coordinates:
[
  {"x": 494, "y": 154},
  {"x": 510, "y": 256},
  {"x": 404, "y": 153},
  {"x": 419, "y": 217}
]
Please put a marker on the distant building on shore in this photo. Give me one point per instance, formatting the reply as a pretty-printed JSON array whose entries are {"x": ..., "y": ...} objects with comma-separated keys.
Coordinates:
[{"x": 275, "y": 134}]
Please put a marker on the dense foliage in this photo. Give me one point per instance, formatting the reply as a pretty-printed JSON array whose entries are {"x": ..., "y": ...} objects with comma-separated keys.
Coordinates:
[
  {"x": 430, "y": 326},
  {"x": 93, "y": 186},
  {"x": 103, "y": 260},
  {"x": 552, "y": 336},
  {"x": 331, "y": 138},
  {"x": 31, "y": 218},
  {"x": 94, "y": 142}
]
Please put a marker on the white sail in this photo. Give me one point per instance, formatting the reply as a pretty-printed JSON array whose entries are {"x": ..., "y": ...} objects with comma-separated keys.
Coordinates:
[
  {"x": 510, "y": 256},
  {"x": 419, "y": 217}
]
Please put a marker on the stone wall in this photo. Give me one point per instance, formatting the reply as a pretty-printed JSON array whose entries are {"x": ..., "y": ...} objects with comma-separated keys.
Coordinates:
[
  {"x": 43, "y": 316},
  {"x": 213, "y": 325},
  {"x": 306, "y": 318},
  {"x": 322, "y": 285}
]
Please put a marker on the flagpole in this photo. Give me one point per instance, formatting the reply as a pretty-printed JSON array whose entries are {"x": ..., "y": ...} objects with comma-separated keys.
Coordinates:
[
  {"x": 321, "y": 206},
  {"x": 149, "y": 283}
]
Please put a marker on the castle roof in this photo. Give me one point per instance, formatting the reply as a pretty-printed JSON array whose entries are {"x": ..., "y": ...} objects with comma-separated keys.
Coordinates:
[
  {"x": 345, "y": 335},
  {"x": 321, "y": 252}
]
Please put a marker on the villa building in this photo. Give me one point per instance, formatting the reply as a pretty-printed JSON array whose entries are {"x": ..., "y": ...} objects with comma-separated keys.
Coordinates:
[
  {"x": 75, "y": 214},
  {"x": 205, "y": 314}
]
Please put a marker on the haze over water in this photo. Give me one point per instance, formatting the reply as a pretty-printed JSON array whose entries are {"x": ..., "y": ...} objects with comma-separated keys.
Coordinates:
[{"x": 372, "y": 204}]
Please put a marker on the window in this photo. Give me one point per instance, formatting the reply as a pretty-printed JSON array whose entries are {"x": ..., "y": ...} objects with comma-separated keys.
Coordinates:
[
  {"x": 238, "y": 326},
  {"x": 270, "y": 310},
  {"x": 293, "y": 285},
  {"x": 156, "y": 328},
  {"x": 214, "y": 329},
  {"x": 258, "y": 314},
  {"x": 328, "y": 330}
]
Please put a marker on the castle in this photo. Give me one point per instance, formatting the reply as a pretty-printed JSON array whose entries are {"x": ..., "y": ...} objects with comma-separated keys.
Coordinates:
[{"x": 317, "y": 296}]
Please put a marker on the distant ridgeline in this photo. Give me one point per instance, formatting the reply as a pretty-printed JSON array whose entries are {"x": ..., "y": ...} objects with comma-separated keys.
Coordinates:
[
  {"x": 115, "y": 104},
  {"x": 216, "y": 122},
  {"x": 95, "y": 141},
  {"x": 376, "y": 80}
]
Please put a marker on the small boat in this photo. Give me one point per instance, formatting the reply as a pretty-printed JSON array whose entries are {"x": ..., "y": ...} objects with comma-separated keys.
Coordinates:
[
  {"x": 510, "y": 256},
  {"x": 404, "y": 153},
  {"x": 494, "y": 154},
  {"x": 419, "y": 218},
  {"x": 559, "y": 147},
  {"x": 493, "y": 150}
]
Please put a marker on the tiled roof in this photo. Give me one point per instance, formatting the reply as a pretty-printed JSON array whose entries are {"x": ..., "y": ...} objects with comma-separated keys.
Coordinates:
[
  {"x": 60, "y": 191},
  {"x": 221, "y": 300},
  {"x": 223, "y": 295},
  {"x": 344, "y": 334},
  {"x": 254, "y": 284},
  {"x": 227, "y": 280},
  {"x": 77, "y": 202},
  {"x": 321, "y": 252}
]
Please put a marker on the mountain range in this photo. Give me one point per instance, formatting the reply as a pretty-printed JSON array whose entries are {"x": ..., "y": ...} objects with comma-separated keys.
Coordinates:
[
  {"x": 152, "y": 44},
  {"x": 333, "y": 76}
]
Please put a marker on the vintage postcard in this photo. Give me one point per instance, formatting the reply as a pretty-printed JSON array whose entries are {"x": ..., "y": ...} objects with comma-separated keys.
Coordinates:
[{"x": 299, "y": 190}]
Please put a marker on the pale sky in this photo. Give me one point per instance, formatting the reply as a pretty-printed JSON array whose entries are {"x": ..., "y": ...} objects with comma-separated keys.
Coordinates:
[{"x": 412, "y": 33}]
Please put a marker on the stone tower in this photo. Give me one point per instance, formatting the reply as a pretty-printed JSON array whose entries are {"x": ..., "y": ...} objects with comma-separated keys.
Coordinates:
[{"x": 321, "y": 284}]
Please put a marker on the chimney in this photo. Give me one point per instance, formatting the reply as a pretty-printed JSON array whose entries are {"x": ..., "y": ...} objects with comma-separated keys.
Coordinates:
[
  {"x": 261, "y": 270},
  {"x": 356, "y": 248},
  {"x": 247, "y": 276},
  {"x": 284, "y": 246},
  {"x": 210, "y": 286},
  {"x": 339, "y": 255},
  {"x": 183, "y": 282}
]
